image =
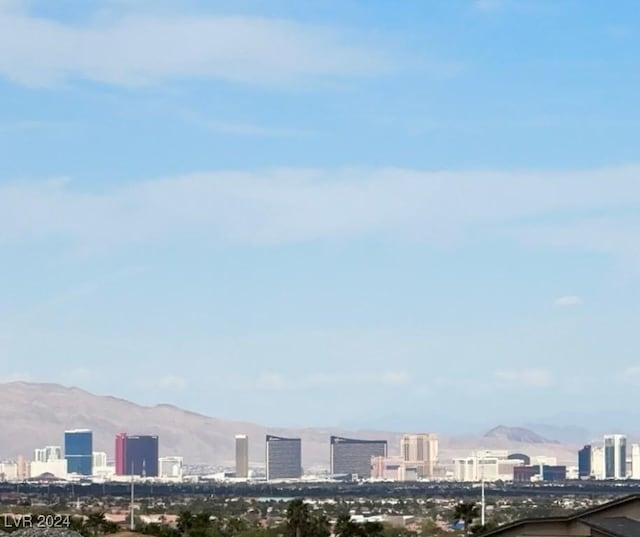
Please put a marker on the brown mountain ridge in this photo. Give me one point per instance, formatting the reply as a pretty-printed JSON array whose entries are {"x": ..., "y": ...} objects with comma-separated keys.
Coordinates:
[
  {"x": 518, "y": 434},
  {"x": 37, "y": 414}
]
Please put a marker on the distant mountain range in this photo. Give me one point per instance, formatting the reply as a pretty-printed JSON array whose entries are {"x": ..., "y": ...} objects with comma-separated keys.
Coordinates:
[
  {"x": 569, "y": 434},
  {"x": 518, "y": 434},
  {"x": 36, "y": 414}
]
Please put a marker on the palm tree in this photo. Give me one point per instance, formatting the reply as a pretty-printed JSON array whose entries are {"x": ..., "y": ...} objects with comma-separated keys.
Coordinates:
[
  {"x": 467, "y": 512},
  {"x": 184, "y": 522},
  {"x": 95, "y": 522},
  {"x": 235, "y": 526},
  {"x": 202, "y": 525},
  {"x": 345, "y": 527},
  {"x": 77, "y": 524},
  {"x": 298, "y": 518},
  {"x": 372, "y": 529},
  {"x": 319, "y": 526}
]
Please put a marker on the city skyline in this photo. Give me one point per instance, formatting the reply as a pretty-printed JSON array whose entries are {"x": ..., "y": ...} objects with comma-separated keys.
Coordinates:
[
  {"x": 354, "y": 213},
  {"x": 350, "y": 459}
]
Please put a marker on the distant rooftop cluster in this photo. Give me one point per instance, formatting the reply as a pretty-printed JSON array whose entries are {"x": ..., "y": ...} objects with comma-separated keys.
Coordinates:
[
  {"x": 135, "y": 456},
  {"x": 416, "y": 458},
  {"x": 609, "y": 459}
]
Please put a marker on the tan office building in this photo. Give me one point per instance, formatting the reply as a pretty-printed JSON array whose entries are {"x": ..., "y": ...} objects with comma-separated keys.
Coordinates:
[
  {"x": 242, "y": 455},
  {"x": 421, "y": 451}
]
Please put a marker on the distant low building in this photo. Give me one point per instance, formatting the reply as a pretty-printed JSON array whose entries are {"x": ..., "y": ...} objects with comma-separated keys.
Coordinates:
[
  {"x": 544, "y": 459},
  {"x": 395, "y": 469},
  {"x": 170, "y": 467},
  {"x": 526, "y": 460},
  {"x": 47, "y": 454},
  {"x": 554, "y": 473},
  {"x": 635, "y": 461},
  {"x": 488, "y": 465},
  {"x": 396, "y": 521},
  {"x": 572, "y": 473},
  {"x": 525, "y": 474},
  {"x": 56, "y": 468},
  {"x": 23, "y": 467},
  {"x": 101, "y": 467},
  {"x": 99, "y": 459},
  {"x": 8, "y": 471}
]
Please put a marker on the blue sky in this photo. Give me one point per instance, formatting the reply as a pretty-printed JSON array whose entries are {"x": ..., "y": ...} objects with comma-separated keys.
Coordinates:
[{"x": 324, "y": 212}]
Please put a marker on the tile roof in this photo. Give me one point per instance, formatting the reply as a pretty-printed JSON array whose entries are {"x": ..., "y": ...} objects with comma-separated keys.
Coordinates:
[
  {"x": 582, "y": 515},
  {"x": 614, "y": 526}
]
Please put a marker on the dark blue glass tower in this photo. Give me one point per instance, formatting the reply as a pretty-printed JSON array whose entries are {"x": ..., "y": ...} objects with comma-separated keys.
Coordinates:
[
  {"x": 584, "y": 461},
  {"x": 141, "y": 455},
  {"x": 78, "y": 450}
]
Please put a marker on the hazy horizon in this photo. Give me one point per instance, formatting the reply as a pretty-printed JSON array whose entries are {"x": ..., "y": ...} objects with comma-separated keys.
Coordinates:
[
  {"x": 333, "y": 212},
  {"x": 566, "y": 428}
]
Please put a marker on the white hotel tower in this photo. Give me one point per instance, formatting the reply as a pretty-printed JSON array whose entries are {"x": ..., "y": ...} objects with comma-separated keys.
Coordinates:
[{"x": 615, "y": 456}]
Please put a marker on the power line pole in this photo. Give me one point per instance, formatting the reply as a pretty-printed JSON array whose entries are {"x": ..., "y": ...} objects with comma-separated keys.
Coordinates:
[
  {"x": 132, "y": 498},
  {"x": 482, "y": 503}
]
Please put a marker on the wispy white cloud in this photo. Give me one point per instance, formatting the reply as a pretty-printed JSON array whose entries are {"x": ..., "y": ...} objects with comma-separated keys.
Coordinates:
[
  {"x": 15, "y": 377},
  {"x": 165, "y": 383},
  {"x": 138, "y": 48},
  {"x": 247, "y": 129},
  {"x": 394, "y": 378},
  {"x": 631, "y": 375},
  {"x": 551, "y": 209},
  {"x": 79, "y": 292},
  {"x": 619, "y": 31},
  {"x": 242, "y": 129},
  {"x": 539, "y": 6},
  {"x": 323, "y": 379},
  {"x": 422, "y": 391},
  {"x": 172, "y": 382},
  {"x": 81, "y": 376},
  {"x": 614, "y": 234},
  {"x": 568, "y": 300},
  {"x": 537, "y": 378},
  {"x": 274, "y": 380},
  {"x": 488, "y": 5},
  {"x": 23, "y": 125}
]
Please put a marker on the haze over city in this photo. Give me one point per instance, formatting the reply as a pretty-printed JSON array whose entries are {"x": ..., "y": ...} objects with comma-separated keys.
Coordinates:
[{"x": 325, "y": 213}]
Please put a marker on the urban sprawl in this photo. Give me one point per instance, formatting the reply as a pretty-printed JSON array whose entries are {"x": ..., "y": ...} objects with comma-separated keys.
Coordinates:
[{"x": 137, "y": 457}]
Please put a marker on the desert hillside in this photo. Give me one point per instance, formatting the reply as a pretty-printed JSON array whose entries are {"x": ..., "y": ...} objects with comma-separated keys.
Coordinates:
[{"x": 34, "y": 415}]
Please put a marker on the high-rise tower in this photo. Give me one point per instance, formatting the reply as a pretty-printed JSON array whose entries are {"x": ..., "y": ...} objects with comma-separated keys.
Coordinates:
[
  {"x": 352, "y": 456},
  {"x": 137, "y": 455},
  {"x": 78, "y": 450},
  {"x": 420, "y": 450},
  {"x": 283, "y": 457},
  {"x": 242, "y": 455},
  {"x": 615, "y": 456},
  {"x": 584, "y": 462}
]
